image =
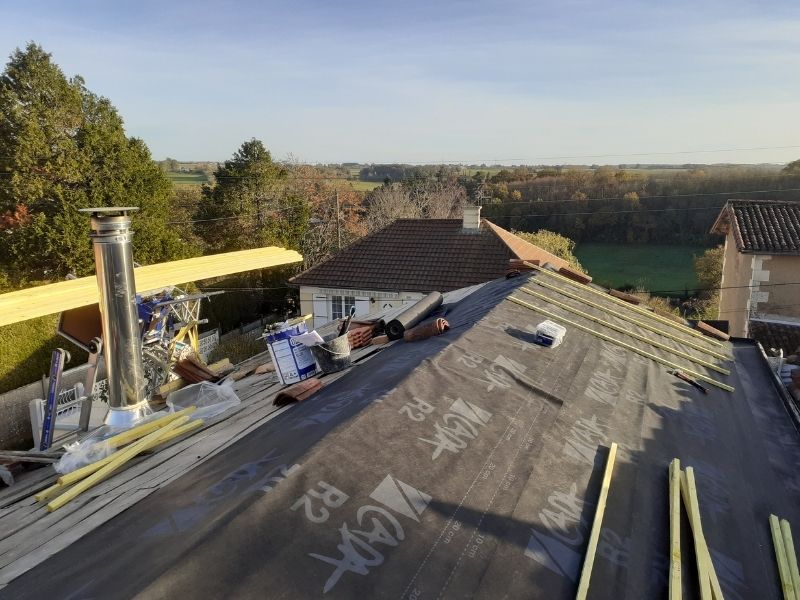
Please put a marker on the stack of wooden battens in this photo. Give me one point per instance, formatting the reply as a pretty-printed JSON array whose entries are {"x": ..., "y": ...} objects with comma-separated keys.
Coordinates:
[
  {"x": 137, "y": 440},
  {"x": 662, "y": 326},
  {"x": 682, "y": 485},
  {"x": 786, "y": 557}
]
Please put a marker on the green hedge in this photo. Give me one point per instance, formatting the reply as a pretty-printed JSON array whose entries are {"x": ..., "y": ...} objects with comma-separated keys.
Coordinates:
[{"x": 25, "y": 350}]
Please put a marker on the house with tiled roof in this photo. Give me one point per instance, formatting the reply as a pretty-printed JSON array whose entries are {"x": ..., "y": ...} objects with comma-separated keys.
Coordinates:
[
  {"x": 409, "y": 258},
  {"x": 761, "y": 268}
]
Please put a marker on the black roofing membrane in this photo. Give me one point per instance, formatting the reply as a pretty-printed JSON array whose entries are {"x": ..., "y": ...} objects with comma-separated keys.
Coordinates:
[{"x": 467, "y": 465}]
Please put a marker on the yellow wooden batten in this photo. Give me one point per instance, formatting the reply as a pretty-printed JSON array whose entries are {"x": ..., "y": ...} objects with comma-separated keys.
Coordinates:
[
  {"x": 675, "y": 590},
  {"x": 597, "y": 523},
  {"x": 52, "y": 298}
]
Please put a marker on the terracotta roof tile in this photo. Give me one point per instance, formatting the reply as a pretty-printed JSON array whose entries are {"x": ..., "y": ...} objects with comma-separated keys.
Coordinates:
[
  {"x": 762, "y": 226},
  {"x": 423, "y": 255}
]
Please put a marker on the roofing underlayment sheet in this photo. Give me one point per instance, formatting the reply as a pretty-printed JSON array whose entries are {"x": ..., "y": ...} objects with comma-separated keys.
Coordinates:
[{"x": 466, "y": 465}]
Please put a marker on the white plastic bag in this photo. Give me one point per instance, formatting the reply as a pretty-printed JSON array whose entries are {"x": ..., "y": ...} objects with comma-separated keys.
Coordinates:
[
  {"x": 80, "y": 454},
  {"x": 209, "y": 398}
]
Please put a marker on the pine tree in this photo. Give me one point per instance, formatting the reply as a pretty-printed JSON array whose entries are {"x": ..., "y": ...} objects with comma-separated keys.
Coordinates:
[
  {"x": 62, "y": 148},
  {"x": 251, "y": 204}
]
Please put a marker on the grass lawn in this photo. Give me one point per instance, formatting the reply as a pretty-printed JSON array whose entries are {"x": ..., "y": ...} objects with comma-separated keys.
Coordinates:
[
  {"x": 656, "y": 268},
  {"x": 361, "y": 186},
  {"x": 187, "y": 178}
]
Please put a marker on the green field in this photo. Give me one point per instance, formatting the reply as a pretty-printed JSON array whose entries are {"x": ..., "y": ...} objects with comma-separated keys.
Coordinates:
[
  {"x": 361, "y": 186},
  {"x": 187, "y": 178},
  {"x": 656, "y": 268}
]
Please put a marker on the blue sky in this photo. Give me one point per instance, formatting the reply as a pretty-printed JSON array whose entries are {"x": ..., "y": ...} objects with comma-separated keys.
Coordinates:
[{"x": 511, "y": 81}]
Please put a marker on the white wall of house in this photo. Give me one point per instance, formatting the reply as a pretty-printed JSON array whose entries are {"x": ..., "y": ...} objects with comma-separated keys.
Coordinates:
[
  {"x": 757, "y": 286},
  {"x": 327, "y": 304}
]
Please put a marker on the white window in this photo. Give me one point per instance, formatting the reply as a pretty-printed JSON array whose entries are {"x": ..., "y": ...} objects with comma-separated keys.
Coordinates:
[{"x": 341, "y": 305}]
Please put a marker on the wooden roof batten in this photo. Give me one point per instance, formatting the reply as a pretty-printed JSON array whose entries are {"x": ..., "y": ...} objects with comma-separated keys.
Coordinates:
[{"x": 21, "y": 305}]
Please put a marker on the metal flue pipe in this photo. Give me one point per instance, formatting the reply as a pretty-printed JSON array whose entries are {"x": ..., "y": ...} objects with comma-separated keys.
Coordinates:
[{"x": 122, "y": 346}]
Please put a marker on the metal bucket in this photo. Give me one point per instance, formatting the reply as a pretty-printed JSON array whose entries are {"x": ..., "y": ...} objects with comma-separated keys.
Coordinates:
[
  {"x": 293, "y": 361},
  {"x": 334, "y": 354}
]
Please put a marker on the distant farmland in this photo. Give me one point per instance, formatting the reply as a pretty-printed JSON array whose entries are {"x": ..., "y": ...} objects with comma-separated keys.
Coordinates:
[
  {"x": 361, "y": 186},
  {"x": 667, "y": 270},
  {"x": 187, "y": 178}
]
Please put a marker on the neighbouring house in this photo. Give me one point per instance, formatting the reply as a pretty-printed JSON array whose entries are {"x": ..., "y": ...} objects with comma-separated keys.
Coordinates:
[
  {"x": 409, "y": 258},
  {"x": 761, "y": 265}
]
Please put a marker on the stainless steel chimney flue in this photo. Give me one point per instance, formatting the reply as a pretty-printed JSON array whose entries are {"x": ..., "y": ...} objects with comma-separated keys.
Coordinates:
[{"x": 122, "y": 346}]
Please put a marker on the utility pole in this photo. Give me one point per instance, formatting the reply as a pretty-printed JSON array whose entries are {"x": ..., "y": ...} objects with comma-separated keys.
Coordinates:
[{"x": 338, "y": 222}]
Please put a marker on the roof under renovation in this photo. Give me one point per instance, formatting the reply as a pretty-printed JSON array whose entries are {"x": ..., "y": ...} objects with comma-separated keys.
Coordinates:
[
  {"x": 762, "y": 226},
  {"x": 465, "y": 465},
  {"x": 423, "y": 255}
]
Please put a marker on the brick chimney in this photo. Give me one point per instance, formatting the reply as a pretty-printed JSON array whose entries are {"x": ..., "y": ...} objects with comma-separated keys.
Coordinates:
[{"x": 472, "y": 218}]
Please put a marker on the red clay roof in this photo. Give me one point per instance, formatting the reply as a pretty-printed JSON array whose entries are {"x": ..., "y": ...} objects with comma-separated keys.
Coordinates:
[
  {"x": 762, "y": 226},
  {"x": 424, "y": 255}
]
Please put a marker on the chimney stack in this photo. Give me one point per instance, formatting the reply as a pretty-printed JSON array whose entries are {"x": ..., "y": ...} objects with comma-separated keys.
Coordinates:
[
  {"x": 122, "y": 346},
  {"x": 472, "y": 218}
]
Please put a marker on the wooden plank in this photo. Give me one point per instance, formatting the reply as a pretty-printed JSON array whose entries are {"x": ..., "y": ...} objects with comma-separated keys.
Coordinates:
[
  {"x": 43, "y": 300},
  {"x": 594, "y": 536},
  {"x": 628, "y": 306},
  {"x": 688, "y": 483},
  {"x": 791, "y": 556},
  {"x": 32, "y": 482},
  {"x": 632, "y": 348},
  {"x": 628, "y": 332},
  {"x": 630, "y": 319},
  {"x": 692, "y": 509},
  {"x": 675, "y": 591},
  {"x": 781, "y": 559}
]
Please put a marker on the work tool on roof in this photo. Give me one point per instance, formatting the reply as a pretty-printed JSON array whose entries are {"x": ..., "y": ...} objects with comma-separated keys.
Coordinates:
[
  {"x": 675, "y": 530},
  {"x": 687, "y": 379},
  {"x": 625, "y": 345},
  {"x": 95, "y": 349},
  {"x": 346, "y": 323},
  {"x": 697, "y": 345},
  {"x": 59, "y": 357},
  {"x": 597, "y": 523},
  {"x": 785, "y": 557},
  {"x": 413, "y": 315},
  {"x": 627, "y": 305},
  {"x": 628, "y": 332},
  {"x": 709, "y": 582}
]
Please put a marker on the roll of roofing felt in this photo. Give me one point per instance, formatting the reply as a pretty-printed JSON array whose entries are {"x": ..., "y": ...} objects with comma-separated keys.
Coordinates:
[{"x": 413, "y": 315}]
